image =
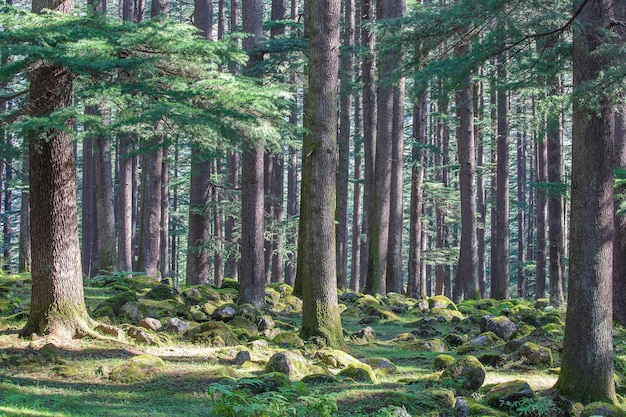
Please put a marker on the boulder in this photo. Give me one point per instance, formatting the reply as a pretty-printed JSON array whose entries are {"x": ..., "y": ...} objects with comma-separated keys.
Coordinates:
[
  {"x": 382, "y": 364},
  {"x": 114, "y": 304},
  {"x": 137, "y": 369},
  {"x": 358, "y": 371},
  {"x": 602, "y": 409},
  {"x": 502, "y": 326},
  {"x": 142, "y": 336},
  {"x": 151, "y": 324},
  {"x": 508, "y": 392},
  {"x": 364, "y": 336},
  {"x": 446, "y": 314},
  {"x": 163, "y": 292},
  {"x": 225, "y": 314},
  {"x": 290, "y": 363},
  {"x": 535, "y": 354},
  {"x": 441, "y": 362},
  {"x": 288, "y": 340},
  {"x": 214, "y": 333},
  {"x": 467, "y": 374},
  {"x": 265, "y": 322},
  {"x": 441, "y": 301},
  {"x": 334, "y": 358},
  {"x": 482, "y": 341},
  {"x": 242, "y": 357},
  {"x": 176, "y": 325}
]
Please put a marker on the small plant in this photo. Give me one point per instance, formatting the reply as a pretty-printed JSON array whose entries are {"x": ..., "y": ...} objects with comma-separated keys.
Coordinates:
[
  {"x": 532, "y": 407},
  {"x": 286, "y": 402}
]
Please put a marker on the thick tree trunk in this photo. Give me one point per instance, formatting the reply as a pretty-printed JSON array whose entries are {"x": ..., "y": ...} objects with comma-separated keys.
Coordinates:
[
  {"x": 467, "y": 273},
  {"x": 57, "y": 300},
  {"x": 441, "y": 162},
  {"x": 587, "y": 362},
  {"x": 252, "y": 278},
  {"x": 105, "y": 215},
  {"x": 164, "y": 255},
  {"x": 481, "y": 194},
  {"x": 198, "y": 267},
  {"x": 232, "y": 219},
  {"x": 150, "y": 218},
  {"x": 125, "y": 210},
  {"x": 316, "y": 246}
]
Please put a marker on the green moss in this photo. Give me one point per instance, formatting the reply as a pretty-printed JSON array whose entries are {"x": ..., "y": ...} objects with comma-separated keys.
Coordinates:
[
  {"x": 442, "y": 361},
  {"x": 441, "y": 301},
  {"x": 359, "y": 371}
]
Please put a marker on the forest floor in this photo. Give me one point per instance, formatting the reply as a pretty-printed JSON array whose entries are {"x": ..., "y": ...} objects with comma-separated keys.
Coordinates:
[{"x": 204, "y": 378}]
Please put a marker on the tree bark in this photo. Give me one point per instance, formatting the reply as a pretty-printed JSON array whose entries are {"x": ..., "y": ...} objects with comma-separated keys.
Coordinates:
[
  {"x": 500, "y": 273},
  {"x": 345, "y": 122},
  {"x": 368, "y": 69},
  {"x": 521, "y": 214},
  {"x": 587, "y": 361},
  {"x": 88, "y": 210},
  {"x": 542, "y": 218},
  {"x": 24, "y": 263},
  {"x": 218, "y": 258},
  {"x": 105, "y": 215},
  {"x": 57, "y": 299},
  {"x": 316, "y": 246},
  {"x": 150, "y": 218},
  {"x": 252, "y": 278},
  {"x": 556, "y": 178},
  {"x": 467, "y": 272}
]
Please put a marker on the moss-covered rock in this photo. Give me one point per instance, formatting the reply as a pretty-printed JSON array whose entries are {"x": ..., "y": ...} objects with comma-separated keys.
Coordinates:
[
  {"x": 508, "y": 392},
  {"x": 446, "y": 314},
  {"x": 523, "y": 331},
  {"x": 163, "y": 292},
  {"x": 535, "y": 354},
  {"x": 441, "y": 362},
  {"x": 602, "y": 409},
  {"x": 136, "y": 369},
  {"x": 467, "y": 374},
  {"x": 441, "y": 301},
  {"x": 383, "y": 365},
  {"x": 482, "y": 341},
  {"x": 215, "y": 333},
  {"x": 66, "y": 371},
  {"x": 288, "y": 340},
  {"x": 493, "y": 359},
  {"x": 230, "y": 284},
  {"x": 319, "y": 379},
  {"x": 242, "y": 323},
  {"x": 334, "y": 358},
  {"x": 364, "y": 336},
  {"x": 502, "y": 326},
  {"x": 432, "y": 345},
  {"x": 290, "y": 363},
  {"x": 358, "y": 371},
  {"x": 114, "y": 304},
  {"x": 367, "y": 300}
]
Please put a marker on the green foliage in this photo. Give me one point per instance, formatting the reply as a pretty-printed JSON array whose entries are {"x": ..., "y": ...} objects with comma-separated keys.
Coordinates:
[
  {"x": 532, "y": 407},
  {"x": 161, "y": 67},
  {"x": 287, "y": 401}
]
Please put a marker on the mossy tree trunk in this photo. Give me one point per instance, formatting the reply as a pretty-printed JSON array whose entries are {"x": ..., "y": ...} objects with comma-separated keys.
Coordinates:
[
  {"x": 587, "y": 362},
  {"x": 57, "y": 301},
  {"x": 316, "y": 246}
]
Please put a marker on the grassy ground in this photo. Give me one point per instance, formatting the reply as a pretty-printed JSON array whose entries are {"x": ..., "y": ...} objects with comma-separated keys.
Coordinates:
[{"x": 72, "y": 381}]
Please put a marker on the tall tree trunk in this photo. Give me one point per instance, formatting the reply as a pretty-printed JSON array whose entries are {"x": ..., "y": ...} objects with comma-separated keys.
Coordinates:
[
  {"x": 292, "y": 205},
  {"x": 8, "y": 203},
  {"x": 252, "y": 279},
  {"x": 521, "y": 214},
  {"x": 441, "y": 162},
  {"x": 105, "y": 215},
  {"x": 556, "y": 178},
  {"x": 316, "y": 266},
  {"x": 394, "y": 269},
  {"x": 218, "y": 259},
  {"x": 467, "y": 272},
  {"x": 414, "y": 284},
  {"x": 542, "y": 218},
  {"x": 619, "y": 260},
  {"x": 57, "y": 299},
  {"x": 368, "y": 69},
  {"x": 24, "y": 264},
  {"x": 125, "y": 191},
  {"x": 345, "y": 122},
  {"x": 587, "y": 362},
  {"x": 150, "y": 217},
  {"x": 175, "y": 238},
  {"x": 88, "y": 210},
  {"x": 164, "y": 256},
  {"x": 481, "y": 194},
  {"x": 500, "y": 272}
]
